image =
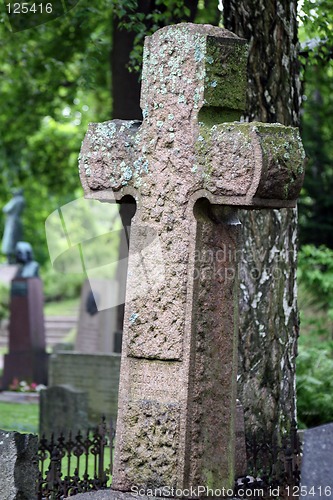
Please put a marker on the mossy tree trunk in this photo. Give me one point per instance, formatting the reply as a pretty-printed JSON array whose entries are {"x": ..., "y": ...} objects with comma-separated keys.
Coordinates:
[{"x": 269, "y": 322}]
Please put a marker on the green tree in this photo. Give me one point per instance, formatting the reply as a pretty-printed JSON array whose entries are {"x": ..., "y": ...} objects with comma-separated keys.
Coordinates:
[
  {"x": 316, "y": 204},
  {"x": 54, "y": 80}
]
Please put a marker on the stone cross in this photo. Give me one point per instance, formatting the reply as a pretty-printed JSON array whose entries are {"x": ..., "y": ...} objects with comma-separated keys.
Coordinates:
[{"x": 188, "y": 171}]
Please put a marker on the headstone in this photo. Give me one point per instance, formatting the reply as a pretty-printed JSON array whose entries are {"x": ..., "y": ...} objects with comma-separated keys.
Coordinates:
[
  {"x": 188, "y": 171},
  {"x": 62, "y": 408},
  {"x": 95, "y": 374},
  {"x": 27, "y": 357},
  {"x": 317, "y": 463},
  {"x": 18, "y": 465},
  {"x": 97, "y": 327}
]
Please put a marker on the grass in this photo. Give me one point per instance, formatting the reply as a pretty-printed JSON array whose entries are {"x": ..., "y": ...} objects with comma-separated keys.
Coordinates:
[
  {"x": 24, "y": 418},
  {"x": 67, "y": 307},
  {"x": 20, "y": 417}
]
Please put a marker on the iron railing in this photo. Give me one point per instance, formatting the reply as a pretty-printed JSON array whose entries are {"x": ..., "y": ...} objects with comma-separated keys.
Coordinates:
[
  {"x": 274, "y": 470},
  {"x": 75, "y": 464},
  {"x": 83, "y": 463}
]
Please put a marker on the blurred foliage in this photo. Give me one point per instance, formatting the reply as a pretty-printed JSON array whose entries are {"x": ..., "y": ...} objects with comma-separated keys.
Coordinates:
[
  {"x": 315, "y": 268},
  {"x": 58, "y": 286},
  {"x": 4, "y": 301},
  {"x": 163, "y": 13},
  {"x": 316, "y": 17},
  {"x": 315, "y": 385},
  {"x": 316, "y": 201},
  {"x": 315, "y": 272},
  {"x": 55, "y": 79},
  {"x": 315, "y": 360}
]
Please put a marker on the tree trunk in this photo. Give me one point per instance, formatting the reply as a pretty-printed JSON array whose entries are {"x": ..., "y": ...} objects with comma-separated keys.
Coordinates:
[
  {"x": 125, "y": 85},
  {"x": 269, "y": 321}
]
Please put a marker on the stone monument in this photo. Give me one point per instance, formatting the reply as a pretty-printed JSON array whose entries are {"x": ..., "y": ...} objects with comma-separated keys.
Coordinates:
[
  {"x": 97, "y": 328},
  {"x": 62, "y": 409},
  {"x": 317, "y": 463},
  {"x": 13, "y": 227},
  {"x": 96, "y": 374},
  {"x": 188, "y": 167},
  {"x": 27, "y": 357}
]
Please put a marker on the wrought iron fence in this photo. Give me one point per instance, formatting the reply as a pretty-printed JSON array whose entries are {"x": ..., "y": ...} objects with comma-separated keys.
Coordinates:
[
  {"x": 75, "y": 464},
  {"x": 71, "y": 465},
  {"x": 273, "y": 470}
]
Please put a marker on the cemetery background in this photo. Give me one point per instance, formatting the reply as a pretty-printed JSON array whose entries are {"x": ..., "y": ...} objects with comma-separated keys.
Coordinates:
[
  {"x": 314, "y": 277},
  {"x": 63, "y": 114}
]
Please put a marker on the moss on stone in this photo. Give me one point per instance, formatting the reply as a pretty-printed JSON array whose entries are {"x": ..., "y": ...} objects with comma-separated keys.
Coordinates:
[{"x": 225, "y": 78}]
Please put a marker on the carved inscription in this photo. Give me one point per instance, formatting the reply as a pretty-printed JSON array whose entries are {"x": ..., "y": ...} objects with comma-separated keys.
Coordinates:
[{"x": 155, "y": 380}]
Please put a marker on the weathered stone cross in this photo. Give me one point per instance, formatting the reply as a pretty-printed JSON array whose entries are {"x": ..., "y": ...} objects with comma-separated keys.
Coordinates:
[{"x": 187, "y": 170}]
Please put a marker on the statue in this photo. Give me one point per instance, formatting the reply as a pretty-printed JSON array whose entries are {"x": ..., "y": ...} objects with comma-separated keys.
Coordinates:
[
  {"x": 13, "y": 225},
  {"x": 24, "y": 256}
]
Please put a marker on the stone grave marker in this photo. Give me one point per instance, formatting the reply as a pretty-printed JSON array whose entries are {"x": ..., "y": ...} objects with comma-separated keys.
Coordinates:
[
  {"x": 317, "y": 462},
  {"x": 27, "y": 357},
  {"x": 62, "y": 408},
  {"x": 188, "y": 171},
  {"x": 95, "y": 374},
  {"x": 18, "y": 465},
  {"x": 97, "y": 328}
]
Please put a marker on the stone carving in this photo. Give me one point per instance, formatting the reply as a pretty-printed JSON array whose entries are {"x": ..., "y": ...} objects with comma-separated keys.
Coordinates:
[
  {"x": 13, "y": 225},
  {"x": 24, "y": 256},
  {"x": 188, "y": 171}
]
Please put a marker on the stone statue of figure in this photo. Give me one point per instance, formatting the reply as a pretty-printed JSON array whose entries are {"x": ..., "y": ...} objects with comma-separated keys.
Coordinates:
[
  {"x": 24, "y": 256},
  {"x": 13, "y": 225}
]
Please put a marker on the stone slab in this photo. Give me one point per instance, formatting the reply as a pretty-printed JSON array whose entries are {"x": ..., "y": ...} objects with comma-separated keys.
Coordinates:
[
  {"x": 63, "y": 409},
  {"x": 96, "y": 326},
  {"x": 19, "y": 397},
  {"x": 27, "y": 358},
  {"x": 18, "y": 466},
  {"x": 317, "y": 462},
  {"x": 97, "y": 374}
]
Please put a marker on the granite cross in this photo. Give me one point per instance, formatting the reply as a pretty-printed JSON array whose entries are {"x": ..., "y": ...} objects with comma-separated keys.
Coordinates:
[{"x": 188, "y": 166}]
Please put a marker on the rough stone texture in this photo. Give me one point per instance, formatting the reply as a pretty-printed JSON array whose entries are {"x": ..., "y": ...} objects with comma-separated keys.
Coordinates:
[
  {"x": 62, "y": 408},
  {"x": 317, "y": 462},
  {"x": 96, "y": 328},
  {"x": 181, "y": 165},
  {"x": 18, "y": 466},
  {"x": 96, "y": 374},
  {"x": 154, "y": 427},
  {"x": 27, "y": 358}
]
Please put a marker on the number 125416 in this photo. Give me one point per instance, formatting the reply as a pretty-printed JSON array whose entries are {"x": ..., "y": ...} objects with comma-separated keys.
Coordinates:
[{"x": 25, "y": 8}]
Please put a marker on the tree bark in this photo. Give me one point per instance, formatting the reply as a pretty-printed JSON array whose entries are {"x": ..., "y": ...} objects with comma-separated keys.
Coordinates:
[{"x": 269, "y": 322}]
